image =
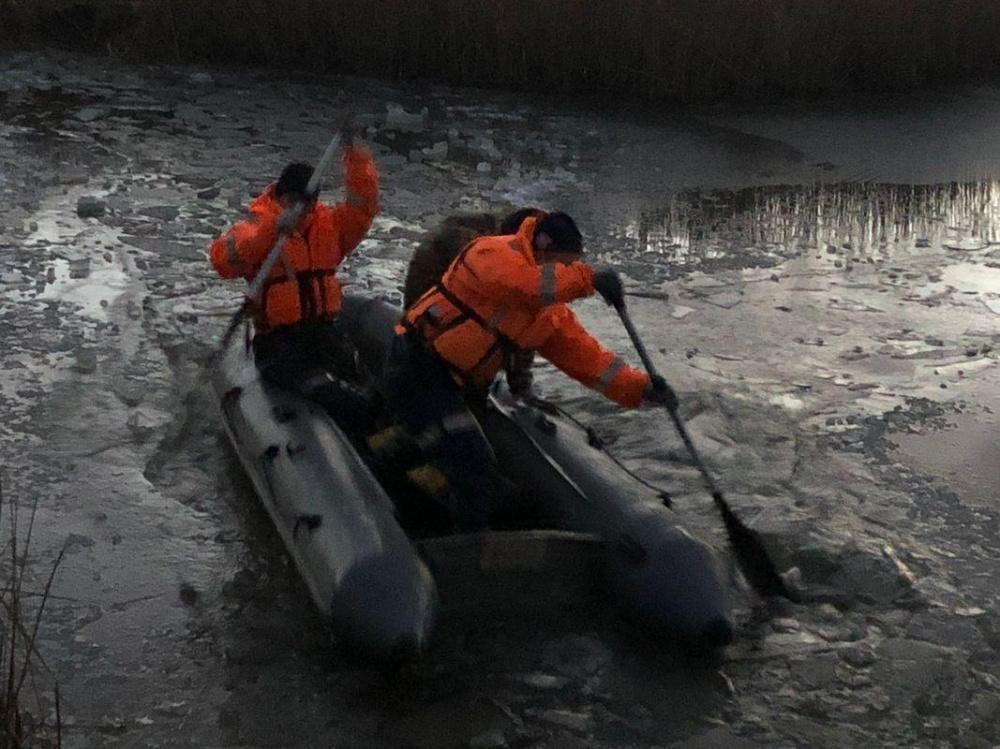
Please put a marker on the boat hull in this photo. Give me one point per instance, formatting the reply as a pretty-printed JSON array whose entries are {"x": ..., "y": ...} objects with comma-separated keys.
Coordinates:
[
  {"x": 334, "y": 517},
  {"x": 658, "y": 573}
]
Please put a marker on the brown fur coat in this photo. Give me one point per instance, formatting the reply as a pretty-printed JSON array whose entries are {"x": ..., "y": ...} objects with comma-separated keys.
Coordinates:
[{"x": 439, "y": 247}]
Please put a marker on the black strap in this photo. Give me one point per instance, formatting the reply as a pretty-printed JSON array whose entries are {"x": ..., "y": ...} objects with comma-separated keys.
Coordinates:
[
  {"x": 321, "y": 282},
  {"x": 307, "y": 301},
  {"x": 466, "y": 313},
  {"x": 304, "y": 281},
  {"x": 497, "y": 346},
  {"x": 471, "y": 314}
]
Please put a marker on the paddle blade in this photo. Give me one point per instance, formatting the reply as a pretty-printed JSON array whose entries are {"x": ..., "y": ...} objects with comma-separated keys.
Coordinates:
[{"x": 750, "y": 553}]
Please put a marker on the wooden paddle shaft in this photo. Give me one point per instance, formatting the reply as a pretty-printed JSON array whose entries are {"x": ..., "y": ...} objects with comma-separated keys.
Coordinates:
[{"x": 681, "y": 429}]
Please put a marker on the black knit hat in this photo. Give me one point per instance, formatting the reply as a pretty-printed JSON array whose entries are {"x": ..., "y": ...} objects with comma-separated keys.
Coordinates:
[
  {"x": 294, "y": 179},
  {"x": 562, "y": 231},
  {"x": 512, "y": 221}
]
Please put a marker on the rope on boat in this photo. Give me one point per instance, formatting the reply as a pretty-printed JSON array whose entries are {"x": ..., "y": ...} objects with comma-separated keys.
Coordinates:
[{"x": 597, "y": 442}]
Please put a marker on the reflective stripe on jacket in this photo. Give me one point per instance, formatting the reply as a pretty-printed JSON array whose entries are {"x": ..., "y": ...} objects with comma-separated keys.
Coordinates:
[
  {"x": 496, "y": 299},
  {"x": 302, "y": 284}
]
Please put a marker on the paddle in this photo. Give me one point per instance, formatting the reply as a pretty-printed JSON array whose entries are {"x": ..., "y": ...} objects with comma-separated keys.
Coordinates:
[
  {"x": 747, "y": 546},
  {"x": 253, "y": 290}
]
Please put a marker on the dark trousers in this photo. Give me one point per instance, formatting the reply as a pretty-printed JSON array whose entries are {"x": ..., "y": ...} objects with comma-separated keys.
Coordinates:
[
  {"x": 310, "y": 358},
  {"x": 422, "y": 396},
  {"x": 288, "y": 355}
]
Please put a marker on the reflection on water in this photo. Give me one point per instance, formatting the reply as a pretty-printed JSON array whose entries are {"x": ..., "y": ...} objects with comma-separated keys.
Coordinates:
[
  {"x": 91, "y": 286},
  {"x": 763, "y": 225}
]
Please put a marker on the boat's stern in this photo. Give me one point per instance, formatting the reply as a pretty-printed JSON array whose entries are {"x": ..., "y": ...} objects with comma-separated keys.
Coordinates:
[
  {"x": 335, "y": 518},
  {"x": 666, "y": 579},
  {"x": 387, "y": 606}
]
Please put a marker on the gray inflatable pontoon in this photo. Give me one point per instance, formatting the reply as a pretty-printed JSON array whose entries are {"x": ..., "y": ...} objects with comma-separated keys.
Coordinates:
[
  {"x": 333, "y": 515},
  {"x": 341, "y": 526}
]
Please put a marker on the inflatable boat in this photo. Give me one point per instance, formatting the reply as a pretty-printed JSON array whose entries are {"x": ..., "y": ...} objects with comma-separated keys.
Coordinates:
[{"x": 370, "y": 567}]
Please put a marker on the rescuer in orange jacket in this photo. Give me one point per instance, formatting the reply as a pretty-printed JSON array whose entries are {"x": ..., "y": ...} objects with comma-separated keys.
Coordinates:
[
  {"x": 440, "y": 246},
  {"x": 502, "y": 294},
  {"x": 293, "y": 335}
]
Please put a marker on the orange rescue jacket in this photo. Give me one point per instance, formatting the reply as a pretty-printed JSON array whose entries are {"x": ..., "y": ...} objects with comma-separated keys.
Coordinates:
[
  {"x": 302, "y": 285},
  {"x": 495, "y": 299}
]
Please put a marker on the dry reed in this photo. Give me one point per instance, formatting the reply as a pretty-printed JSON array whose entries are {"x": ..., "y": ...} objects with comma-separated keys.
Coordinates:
[
  {"x": 19, "y": 628},
  {"x": 677, "y": 49}
]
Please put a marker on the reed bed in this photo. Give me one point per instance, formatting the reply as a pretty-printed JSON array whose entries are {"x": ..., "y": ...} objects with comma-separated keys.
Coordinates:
[
  {"x": 672, "y": 49},
  {"x": 21, "y": 699}
]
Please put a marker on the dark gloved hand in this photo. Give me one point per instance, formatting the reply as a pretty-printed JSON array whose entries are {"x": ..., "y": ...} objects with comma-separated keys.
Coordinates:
[
  {"x": 349, "y": 129},
  {"x": 659, "y": 392},
  {"x": 519, "y": 375},
  {"x": 608, "y": 284},
  {"x": 519, "y": 381}
]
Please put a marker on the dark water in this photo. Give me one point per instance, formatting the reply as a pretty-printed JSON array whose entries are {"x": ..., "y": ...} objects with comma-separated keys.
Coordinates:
[{"x": 822, "y": 338}]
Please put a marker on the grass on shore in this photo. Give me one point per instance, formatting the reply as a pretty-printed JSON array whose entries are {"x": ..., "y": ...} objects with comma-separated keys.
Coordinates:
[{"x": 21, "y": 728}]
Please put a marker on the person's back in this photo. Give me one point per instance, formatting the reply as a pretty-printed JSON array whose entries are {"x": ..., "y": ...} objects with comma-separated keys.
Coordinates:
[
  {"x": 439, "y": 248},
  {"x": 301, "y": 296},
  {"x": 303, "y": 285}
]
